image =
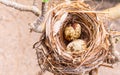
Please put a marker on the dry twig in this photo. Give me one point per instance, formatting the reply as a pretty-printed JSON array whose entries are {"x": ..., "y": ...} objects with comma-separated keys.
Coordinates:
[
  {"x": 21, "y": 7},
  {"x": 114, "y": 12}
]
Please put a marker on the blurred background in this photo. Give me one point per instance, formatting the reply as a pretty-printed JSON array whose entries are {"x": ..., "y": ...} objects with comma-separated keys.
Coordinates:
[{"x": 17, "y": 57}]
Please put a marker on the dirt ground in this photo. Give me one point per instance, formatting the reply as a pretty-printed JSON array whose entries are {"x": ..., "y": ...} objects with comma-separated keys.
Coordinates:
[{"x": 17, "y": 57}]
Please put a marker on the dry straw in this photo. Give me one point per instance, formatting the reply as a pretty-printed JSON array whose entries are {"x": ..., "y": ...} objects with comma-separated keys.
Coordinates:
[{"x": 51, "y": 50}]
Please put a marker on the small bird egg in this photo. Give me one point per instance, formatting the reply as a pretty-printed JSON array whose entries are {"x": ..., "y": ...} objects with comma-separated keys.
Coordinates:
[{"x": 77, "y": 45}]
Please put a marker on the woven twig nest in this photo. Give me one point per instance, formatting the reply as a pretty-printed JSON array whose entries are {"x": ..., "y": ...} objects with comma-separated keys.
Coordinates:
[{"x": 88, "y": 51}]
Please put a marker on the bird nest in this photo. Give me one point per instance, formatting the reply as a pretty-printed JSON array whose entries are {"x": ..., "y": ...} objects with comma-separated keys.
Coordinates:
[{"x": 62, "y": 54}]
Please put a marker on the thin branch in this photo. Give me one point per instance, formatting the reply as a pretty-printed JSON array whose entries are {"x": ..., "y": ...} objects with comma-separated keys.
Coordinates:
[
  {"x": 37, "y": 25},
  {"x": 114, "y": 12},
  {"x": 21, "y": 7}
]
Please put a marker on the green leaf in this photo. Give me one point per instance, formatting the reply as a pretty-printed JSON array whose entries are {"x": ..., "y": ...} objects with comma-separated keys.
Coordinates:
[{"x": 45, "y": 1}]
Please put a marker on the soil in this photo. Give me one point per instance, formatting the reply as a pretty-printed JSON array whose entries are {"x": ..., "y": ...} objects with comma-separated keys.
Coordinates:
[{"x": 17, "y": 57}]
